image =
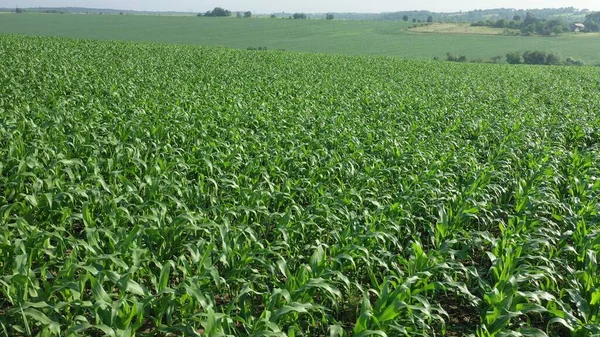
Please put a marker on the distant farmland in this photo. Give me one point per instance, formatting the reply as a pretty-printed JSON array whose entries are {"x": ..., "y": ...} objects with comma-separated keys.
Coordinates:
[{"x": 338, "y": 37}]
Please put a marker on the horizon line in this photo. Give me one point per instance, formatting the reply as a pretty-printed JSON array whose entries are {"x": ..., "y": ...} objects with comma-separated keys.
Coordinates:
[{"x": 284, "y": 12}]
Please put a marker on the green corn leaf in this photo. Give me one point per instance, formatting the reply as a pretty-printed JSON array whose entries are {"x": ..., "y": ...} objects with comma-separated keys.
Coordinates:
[
  {"x": 37, "y": 316},
  {"x": 368, "y": 333},
  {"x": 165, "y": 274},
  {"x": 300, "y": 308}
]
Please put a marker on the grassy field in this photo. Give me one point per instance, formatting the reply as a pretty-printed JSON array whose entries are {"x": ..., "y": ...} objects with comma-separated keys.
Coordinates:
[
  {"x": 174, "y": 190},
  {"x": 457, "y": 28},
  {"x": 341, "y": 37}
]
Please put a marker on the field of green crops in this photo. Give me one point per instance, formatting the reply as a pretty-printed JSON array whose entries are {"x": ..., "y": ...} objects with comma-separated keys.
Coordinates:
[
  {"x": 168, "y": 190},
  {"x": 381, "y": 38}
]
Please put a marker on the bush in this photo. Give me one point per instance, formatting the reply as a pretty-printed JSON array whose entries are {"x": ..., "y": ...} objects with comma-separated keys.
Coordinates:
[
  {"x": 300, "y": 16},
  {"x": 552, "y": 59},
  {"x": 513, "y": 58},
  {"x": 572, "y": 62},
  {"x": 557, "y": 30},
  {"x": 496, "y": 59},
  {"x": 499, "y": 24},
  {"x": 534, "y": 57},
  {"x": 540, "y": 57},
  {"x": 329, "y": 16},
  {"x": 452, "y": 58}
]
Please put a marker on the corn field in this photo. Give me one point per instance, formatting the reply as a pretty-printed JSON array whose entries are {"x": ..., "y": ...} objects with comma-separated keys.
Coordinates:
[{"x": 168, "y": 190}]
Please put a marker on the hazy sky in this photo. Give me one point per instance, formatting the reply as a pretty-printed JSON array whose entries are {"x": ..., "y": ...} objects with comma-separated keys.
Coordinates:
[{"x": 268, "y": 6}]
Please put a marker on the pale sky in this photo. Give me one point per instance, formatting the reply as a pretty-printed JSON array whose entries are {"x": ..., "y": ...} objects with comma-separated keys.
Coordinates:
[{"x": 308, "y": 6}]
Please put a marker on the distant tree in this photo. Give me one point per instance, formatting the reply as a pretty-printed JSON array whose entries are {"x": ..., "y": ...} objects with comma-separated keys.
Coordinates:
[
  {"x": 542, "y": 28},
  {"x": 555, "y": 22},
  {"x": 121, "y": 13},
  {"x": 248, "y": 14},
  {"x": 19, "y": 10},
  {"x": 592, "y": 27},
  {"x": 496, "y": 59},
  {"x": 430, "y": 19},
  {"x": 218, "y": 11},
  {"x": 515, "y": 24},
  {"x": 516, "y": 18},
  {"x": 299, "y": 16},
  {"x": 572, "y": 62},
  {"x": 414, "y": 20},
  {"x": 499, "y": 24},
  {"x": 405, "y": 18},
  {"x": 527, "y": 29},
  {"x": 530, "y": 19},
  {"x": 238, "y": 15},
  {"x": 452, "y": 58},
  {"x": 592, "y": 22},
  {"x": 329, "y": 16},
  {"x": 513, "y": 58},
  {"x": 557, "y": 30},
  {"x": 552, "y": 59},
  {"x": 534, "y": 57},
  {"x": 273, "y": 16}
]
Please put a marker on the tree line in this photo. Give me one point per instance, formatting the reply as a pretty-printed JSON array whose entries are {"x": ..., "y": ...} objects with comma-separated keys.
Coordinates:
[
  {"x": 528, "y": 57},
  {"x": 592, "y": 22},
  {"x": 222, "y": 12},
  {"x": 467, "y": 16},
  {"x": 529, "y": 25},
  {"x": 533, "y": 25}
]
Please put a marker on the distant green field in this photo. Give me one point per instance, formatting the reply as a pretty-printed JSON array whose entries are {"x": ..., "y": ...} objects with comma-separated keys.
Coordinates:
[{"x": 342, "y": 37}]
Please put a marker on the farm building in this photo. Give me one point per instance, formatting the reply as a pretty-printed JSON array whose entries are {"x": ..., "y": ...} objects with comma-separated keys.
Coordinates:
[{"x": 577, "y": 27}]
